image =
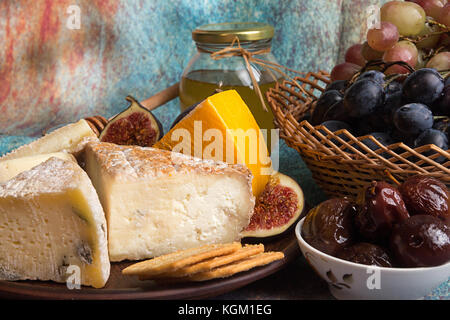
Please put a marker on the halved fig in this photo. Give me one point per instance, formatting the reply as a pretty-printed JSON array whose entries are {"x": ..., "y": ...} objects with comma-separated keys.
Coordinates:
[
  {"x": 277, "y": 207},
  {"x": 134, "y": 126}
]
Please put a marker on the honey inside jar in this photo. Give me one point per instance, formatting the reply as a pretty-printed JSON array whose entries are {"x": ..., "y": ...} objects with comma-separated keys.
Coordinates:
[{"x": 200, "y": 84}]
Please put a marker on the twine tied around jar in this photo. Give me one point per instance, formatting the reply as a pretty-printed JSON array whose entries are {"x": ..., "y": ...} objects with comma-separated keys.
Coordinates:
[{"x": 249, "y": 57}]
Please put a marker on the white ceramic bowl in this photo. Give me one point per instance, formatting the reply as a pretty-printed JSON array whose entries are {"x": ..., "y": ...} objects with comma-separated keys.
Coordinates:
[{"x": 351, "y": 281}]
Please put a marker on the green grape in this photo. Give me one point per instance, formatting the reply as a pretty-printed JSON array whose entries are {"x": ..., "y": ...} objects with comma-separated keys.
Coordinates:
[
  {"x": 421, "y": 59},
  {"x": 440, "y": 62},
  {"x": 408, "y": 17},
  {"x": 429, "y": 42}
]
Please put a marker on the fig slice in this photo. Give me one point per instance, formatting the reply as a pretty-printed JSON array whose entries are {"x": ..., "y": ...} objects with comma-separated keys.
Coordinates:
[
  {"x": 277, "y": 207},
  {"x": 136, "y": 125}
]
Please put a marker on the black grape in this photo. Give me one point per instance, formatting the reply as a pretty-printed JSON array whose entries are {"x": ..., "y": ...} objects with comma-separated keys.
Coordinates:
[
  {"x": 384, "y": 138},
  {"x": 394, "y": 86},
  {"x": 336, "y": 112},
  {"x": 371, "y": 123},
  {"x": 393, "y": 101},
  {"x": 433, "y": 136},
  {"x": 423, "y": 86},
  {"x": 363, "y": 98},
  {"x": 407, "y": 139},
  {"x": 338, "y": 85},
  {"x": 442, "y": 125},
  {"x": 335, "y": 125},
  {"x": 326, "y": 100},
  {"x": 442, "y": 105},
  {"x": 374, "y": 75},
  {"x": 413, "y": 118}
]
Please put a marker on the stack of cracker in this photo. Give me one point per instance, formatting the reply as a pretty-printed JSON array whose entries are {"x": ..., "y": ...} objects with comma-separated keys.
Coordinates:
[{"x": 203, "y": 263}]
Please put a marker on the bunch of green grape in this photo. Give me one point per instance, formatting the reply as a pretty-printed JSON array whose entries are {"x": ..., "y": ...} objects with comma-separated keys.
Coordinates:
[{"x": 416, "y": 32}]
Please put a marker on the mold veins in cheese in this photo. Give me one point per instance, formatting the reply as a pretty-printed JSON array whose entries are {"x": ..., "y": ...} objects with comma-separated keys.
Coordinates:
[
  {"x": 157, "y": 201},
  {"x": 51, "y": 219},
  {"x": 222, "y": 128},
  {"x": 11, "y": 168},
  {"x": 70, "y": 138}
]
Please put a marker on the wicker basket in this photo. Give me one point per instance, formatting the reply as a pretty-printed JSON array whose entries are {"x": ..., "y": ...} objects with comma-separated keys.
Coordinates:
[{"x": 340, "y": 163}]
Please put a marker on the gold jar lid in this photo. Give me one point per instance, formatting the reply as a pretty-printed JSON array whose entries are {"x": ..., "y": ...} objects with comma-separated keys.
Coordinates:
[{"x": 226, "y": 32}]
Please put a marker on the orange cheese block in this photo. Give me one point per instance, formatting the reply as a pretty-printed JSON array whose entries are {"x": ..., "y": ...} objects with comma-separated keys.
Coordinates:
[{"x": 222, "y": 128}]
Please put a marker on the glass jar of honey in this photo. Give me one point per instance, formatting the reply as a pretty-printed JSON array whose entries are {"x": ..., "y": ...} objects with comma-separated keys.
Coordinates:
[{"x": 203, "y": 74}]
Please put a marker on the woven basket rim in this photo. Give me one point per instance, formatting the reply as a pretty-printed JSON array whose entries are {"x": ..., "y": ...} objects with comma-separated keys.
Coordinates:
[{"x": 289, "y": 103}]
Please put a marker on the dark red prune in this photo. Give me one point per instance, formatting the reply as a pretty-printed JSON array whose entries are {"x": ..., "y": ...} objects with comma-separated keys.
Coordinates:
[
  {"x": 329, "y": 226},
  {"x": 426, "y": 195},
  {"x": 380, "y": 207},
  {"x": 421, "y": 241},
  {"x": 366, "y": 253}
]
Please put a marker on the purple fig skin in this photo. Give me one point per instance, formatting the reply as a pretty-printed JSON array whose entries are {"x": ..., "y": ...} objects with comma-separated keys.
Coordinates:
[
  {"x": 421, "y": 241},
  {"x": 426, "y": 195},
  {"x": 380, "y": 207},
  {"x": 183, "y": 114}
]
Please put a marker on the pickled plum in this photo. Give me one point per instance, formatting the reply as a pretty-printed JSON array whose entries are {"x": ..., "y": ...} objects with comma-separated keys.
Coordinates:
[
  {"x": 380, "y": 207},
  {"x": 421, "y": 241},
  {"x": 426, "y": 196},
  {"x": 329, "y": 226},
  {"x": 366, "y": 253}
]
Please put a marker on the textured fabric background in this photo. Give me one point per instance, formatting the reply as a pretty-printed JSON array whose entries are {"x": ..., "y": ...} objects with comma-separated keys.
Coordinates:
[{"x": 50, "y": 75}]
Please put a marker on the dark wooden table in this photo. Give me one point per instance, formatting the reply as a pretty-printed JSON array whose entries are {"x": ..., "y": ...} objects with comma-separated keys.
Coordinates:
[{"x": 297, "y": 281}]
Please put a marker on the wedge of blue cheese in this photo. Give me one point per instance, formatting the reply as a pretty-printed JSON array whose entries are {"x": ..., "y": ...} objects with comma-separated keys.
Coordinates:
[
  {"x": 158, "y": 201},
  {"x": 51, "y": 219}
]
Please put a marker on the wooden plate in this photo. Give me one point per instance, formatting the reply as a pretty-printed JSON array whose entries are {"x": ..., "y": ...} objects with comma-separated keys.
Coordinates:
[{"x": 121, "y": 287}]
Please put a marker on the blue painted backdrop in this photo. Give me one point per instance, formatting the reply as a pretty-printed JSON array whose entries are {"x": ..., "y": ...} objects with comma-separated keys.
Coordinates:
[{"x": 50, "y": 74}]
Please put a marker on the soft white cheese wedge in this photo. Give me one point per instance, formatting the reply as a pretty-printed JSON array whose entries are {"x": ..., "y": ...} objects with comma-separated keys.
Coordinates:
[
  {"x": 51, "y": 219},
  {"x": 70, "y": 138},
  {"x": 11, "y": 168},
  {"x": 157, "y": 201}
]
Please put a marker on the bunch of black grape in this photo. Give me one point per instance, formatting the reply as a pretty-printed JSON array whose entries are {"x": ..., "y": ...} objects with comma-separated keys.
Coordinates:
[{"x": 415, "y": 111}]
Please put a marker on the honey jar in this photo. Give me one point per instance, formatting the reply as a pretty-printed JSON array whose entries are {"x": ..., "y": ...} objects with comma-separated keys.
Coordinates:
[{"x": 204, "y": 74}]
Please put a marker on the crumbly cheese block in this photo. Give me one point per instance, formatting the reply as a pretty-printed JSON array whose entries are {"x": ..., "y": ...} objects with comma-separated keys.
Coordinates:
[
  {"x": 11, "y": 168},
  {"x": 222, "y": 128},
  {"x": 157, "y": 201},
  {"x": 51, "y": 224},
  {"x": 70, "y": 138}
]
